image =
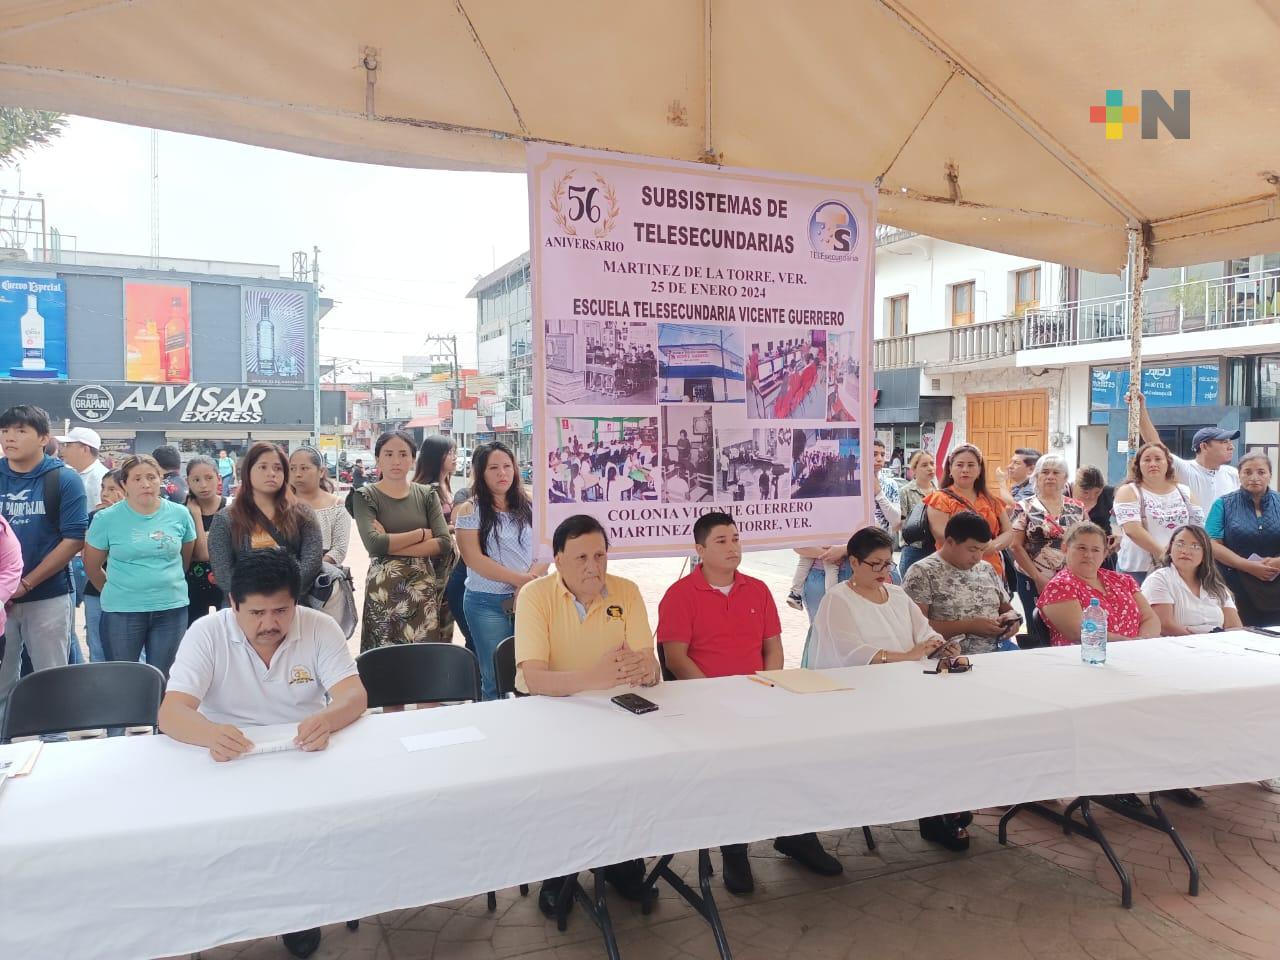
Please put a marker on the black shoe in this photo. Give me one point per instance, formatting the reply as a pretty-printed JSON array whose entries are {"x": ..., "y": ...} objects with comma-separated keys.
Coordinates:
[
  {"x": 807, "y": 850},
  {"x": 548, "y": 896},
  {"x": 737, "y": 869},
  {"x": 1185, "y": 796},
  {"x": 628, "y": 879},
  {"x": 303, "y": 943},
  {"x": 946, "y": 832}
]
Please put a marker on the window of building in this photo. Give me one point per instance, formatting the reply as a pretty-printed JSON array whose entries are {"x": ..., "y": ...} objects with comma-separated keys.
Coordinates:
[
  {"x": 1026, "y": 290},
  {"x": 895, "y": 316},
  {"x": 962, "y": 303}
]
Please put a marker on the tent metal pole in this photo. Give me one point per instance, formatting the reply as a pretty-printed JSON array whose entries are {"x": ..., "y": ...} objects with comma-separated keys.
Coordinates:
[{"x": 1136, "y": 274}]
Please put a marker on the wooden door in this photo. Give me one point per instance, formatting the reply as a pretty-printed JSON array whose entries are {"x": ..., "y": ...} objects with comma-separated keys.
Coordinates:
[{"x": 999, "y": 423}]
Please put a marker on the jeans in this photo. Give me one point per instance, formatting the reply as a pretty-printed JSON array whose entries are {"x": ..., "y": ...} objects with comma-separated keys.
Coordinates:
[
  {"x": 41, "y": 627},
  {"x": 490, "y": 624},
  {"x": 454, "y": 591},
  {"x": 93, "y": 628},
  {"x": 815, "y": 585},
  {"x": 1138, "y": 575},
  {"x": 911, "y": 555},
  {"x": 126, "y": 635}
]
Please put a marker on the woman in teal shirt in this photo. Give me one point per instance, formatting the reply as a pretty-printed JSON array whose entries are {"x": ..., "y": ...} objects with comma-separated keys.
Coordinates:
[{"x": 137, "y": 554}]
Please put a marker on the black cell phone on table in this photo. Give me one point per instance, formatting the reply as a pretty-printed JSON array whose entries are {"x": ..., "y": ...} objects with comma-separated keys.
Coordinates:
[
  {"x": 1264, "y": 631},
  {"x": 634, "y": 703}
]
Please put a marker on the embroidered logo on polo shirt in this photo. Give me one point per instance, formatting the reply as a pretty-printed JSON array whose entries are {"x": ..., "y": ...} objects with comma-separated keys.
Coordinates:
[
  {"x": 613, "y": 612},
  {"x": 300, "y": 674}
]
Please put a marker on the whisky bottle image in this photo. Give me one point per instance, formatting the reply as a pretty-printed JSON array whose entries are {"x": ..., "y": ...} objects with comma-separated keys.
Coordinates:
[
  {"x": 176, "y": 357},
  {"x": 266, "y": 339}
]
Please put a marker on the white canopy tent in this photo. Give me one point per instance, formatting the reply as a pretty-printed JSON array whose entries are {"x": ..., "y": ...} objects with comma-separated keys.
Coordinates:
[{"x": 973, "y": 118}]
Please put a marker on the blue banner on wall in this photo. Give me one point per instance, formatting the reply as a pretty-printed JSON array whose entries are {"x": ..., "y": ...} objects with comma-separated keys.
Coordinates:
[
  {"x": 33, "y": 328},
  {"x": 1185, "y": 386}
]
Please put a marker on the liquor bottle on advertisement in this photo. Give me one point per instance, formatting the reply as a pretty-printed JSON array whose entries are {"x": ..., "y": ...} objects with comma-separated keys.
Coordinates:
[
  {"x": 177, "y": 359},
  {"x": 266, "y": 339},
  {"x": 32, "y": 328},
  {"x": 143, "y": 360}
]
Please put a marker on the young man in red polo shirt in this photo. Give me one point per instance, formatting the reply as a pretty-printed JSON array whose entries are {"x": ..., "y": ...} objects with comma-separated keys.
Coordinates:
[{"x": 717, "y": 622}]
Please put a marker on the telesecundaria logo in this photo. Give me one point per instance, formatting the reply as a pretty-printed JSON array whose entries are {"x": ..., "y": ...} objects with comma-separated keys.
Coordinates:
[{"x": 833, "y": 231}]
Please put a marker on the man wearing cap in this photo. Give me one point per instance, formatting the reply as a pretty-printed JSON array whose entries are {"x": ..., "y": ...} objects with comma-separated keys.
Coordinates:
[
  {"x": 80, "y": 452},
  {"x": 1210, "y": 475}
]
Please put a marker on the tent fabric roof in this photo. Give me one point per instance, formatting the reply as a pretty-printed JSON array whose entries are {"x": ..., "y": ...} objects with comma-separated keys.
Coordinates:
[{"x": 974, "y": 117}]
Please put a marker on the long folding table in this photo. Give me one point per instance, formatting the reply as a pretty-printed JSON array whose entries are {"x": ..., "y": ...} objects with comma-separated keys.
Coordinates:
[{"x": 142, "y": 847}]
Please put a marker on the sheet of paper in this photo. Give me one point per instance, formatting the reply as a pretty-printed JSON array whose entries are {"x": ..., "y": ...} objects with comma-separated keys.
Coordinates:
[
  {"x": 801, "y": 680},
  {"x": 17, "y": 759},
  {"x": 272, "y": 746},
  {"x": 441, "y": 738}
]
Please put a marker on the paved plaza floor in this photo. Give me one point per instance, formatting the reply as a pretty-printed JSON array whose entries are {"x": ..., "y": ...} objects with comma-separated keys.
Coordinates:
[{"x": 1045, "y": 896}]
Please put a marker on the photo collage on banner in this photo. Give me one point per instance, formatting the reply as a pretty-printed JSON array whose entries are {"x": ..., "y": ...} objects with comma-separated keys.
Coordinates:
[
  {"x": 33, "y": 328},
  {"x": 701, "y": 336},
  {"x": 157, "y": 332},
  {"x": 273, "y": 334}
]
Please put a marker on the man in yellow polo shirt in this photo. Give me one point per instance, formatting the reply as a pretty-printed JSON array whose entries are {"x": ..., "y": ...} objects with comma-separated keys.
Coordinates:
[{"x": 579, "y": 629}]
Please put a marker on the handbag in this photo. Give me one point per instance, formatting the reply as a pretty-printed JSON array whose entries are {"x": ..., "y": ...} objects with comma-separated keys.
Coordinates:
[
  {"x": 334, "y": 593},
  {"x": 916, "y": 528}
]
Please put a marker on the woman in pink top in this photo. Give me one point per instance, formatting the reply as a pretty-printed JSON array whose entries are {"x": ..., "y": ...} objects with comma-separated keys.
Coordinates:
[
  {"x": 10, "y": 571},
  {"x": 1064, "y": 599}
]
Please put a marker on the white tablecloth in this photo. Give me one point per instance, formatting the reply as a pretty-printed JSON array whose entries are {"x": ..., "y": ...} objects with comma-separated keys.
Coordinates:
[{"x": 142, "y": 847}]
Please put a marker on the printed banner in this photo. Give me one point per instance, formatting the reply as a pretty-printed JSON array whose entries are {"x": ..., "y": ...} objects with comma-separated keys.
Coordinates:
[
  {"x": 701, "y": 335},
  {"x": 157, "y": 332},
  {"x": 273, "y": 334},
  {"x": 33, "y": 328}
]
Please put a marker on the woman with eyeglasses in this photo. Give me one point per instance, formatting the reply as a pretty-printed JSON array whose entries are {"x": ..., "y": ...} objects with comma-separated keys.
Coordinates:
[
  {"x": 1186, "y": 591},
  {"x": 869, "y": 619},
  {"x": 1083, "y": 579}
]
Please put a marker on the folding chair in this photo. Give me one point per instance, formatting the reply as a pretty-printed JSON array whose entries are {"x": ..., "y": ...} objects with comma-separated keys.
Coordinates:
[{"x": 87, "y": 696}]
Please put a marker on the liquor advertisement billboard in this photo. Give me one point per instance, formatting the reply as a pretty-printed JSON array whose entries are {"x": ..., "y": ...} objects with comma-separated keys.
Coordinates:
[
  {"x": 157, "y": 332},
  {"x": 33, "y": 328},
  {"x": 273, "y": 334}
]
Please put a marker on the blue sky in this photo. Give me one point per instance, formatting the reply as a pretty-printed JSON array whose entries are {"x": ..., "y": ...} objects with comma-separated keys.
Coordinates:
[{"x": 399, "y": 248}]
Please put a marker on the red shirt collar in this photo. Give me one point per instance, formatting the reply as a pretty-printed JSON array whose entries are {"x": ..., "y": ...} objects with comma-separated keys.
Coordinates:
[{"x": 700, "y": 580}]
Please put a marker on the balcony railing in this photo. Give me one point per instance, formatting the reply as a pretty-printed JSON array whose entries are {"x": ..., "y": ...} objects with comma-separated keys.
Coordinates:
[
  {"x": 887, "y": 234},
  {"x": 1196, "y": 305},
  {"x": 951, "y": 346}
]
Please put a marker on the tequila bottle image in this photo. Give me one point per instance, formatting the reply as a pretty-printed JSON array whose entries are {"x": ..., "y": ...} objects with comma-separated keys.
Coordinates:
[
  {"x": 176, "y": 359},
  {"x": 266, "y": 339},
  {"x": 32, "y": 328}
]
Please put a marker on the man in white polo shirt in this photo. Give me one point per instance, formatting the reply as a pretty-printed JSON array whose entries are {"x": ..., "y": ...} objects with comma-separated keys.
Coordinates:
[
  {"x": 1210, "y": 475},
  {"x": 265, "y": 660}
]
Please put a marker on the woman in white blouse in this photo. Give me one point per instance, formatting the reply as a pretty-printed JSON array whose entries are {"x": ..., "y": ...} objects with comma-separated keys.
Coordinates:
[
  {"x": 1149, "y": 507},
  {"x": 869, "y": 619},
  {"x": 1186, "y": 592}
]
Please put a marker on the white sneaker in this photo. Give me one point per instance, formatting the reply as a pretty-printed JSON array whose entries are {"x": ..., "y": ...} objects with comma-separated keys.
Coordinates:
[
  {"x": 795, "y": 601},
  {"x": 1273, "y": 784}
]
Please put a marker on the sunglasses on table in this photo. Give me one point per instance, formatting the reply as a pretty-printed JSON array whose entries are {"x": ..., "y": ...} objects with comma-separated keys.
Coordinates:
[{"x": 951, "y": 665}]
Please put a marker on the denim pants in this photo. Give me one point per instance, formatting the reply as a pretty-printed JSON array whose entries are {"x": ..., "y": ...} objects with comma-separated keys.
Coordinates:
[
  {"x": 911, "y": 554},
  {"x": 454, "y": 591},
  {"x": 126, "y": 635},
  {"x": 41, "y": 628},
  {"x": 93, "y": 628},
  {"x": 490, "y": 624}
]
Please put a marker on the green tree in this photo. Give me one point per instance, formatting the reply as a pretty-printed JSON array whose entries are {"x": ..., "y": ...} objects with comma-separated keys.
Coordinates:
[{"x": 22, "y": 129}]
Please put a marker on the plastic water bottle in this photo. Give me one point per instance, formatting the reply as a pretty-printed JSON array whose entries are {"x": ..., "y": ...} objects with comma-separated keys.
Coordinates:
[{"x": 1093, "y": 634}]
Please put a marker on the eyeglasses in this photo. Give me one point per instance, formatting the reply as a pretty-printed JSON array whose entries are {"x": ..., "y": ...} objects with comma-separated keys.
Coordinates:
[
  {"x": 952, "y": 665},
  {"x": 878, "y": 567}
]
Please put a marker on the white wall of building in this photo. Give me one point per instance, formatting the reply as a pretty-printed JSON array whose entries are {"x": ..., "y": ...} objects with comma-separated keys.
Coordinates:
[{"x": 925, "y": 269}]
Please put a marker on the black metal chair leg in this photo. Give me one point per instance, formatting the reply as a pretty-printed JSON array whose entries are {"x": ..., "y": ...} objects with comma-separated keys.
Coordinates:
[
  {"x": 603, "y": 919},
  {"x": 710, "y": 911},
  {"x": 866, "y": 835},
  {"x": 524, "y": 889},
  {"x": 564, "y": 902},
  {"x": 1126, "y": 886},
  {"x": 1193, "y": 887},
  {"x": 491, "y": 900},
  {"x": 1002, "y": 833}
]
